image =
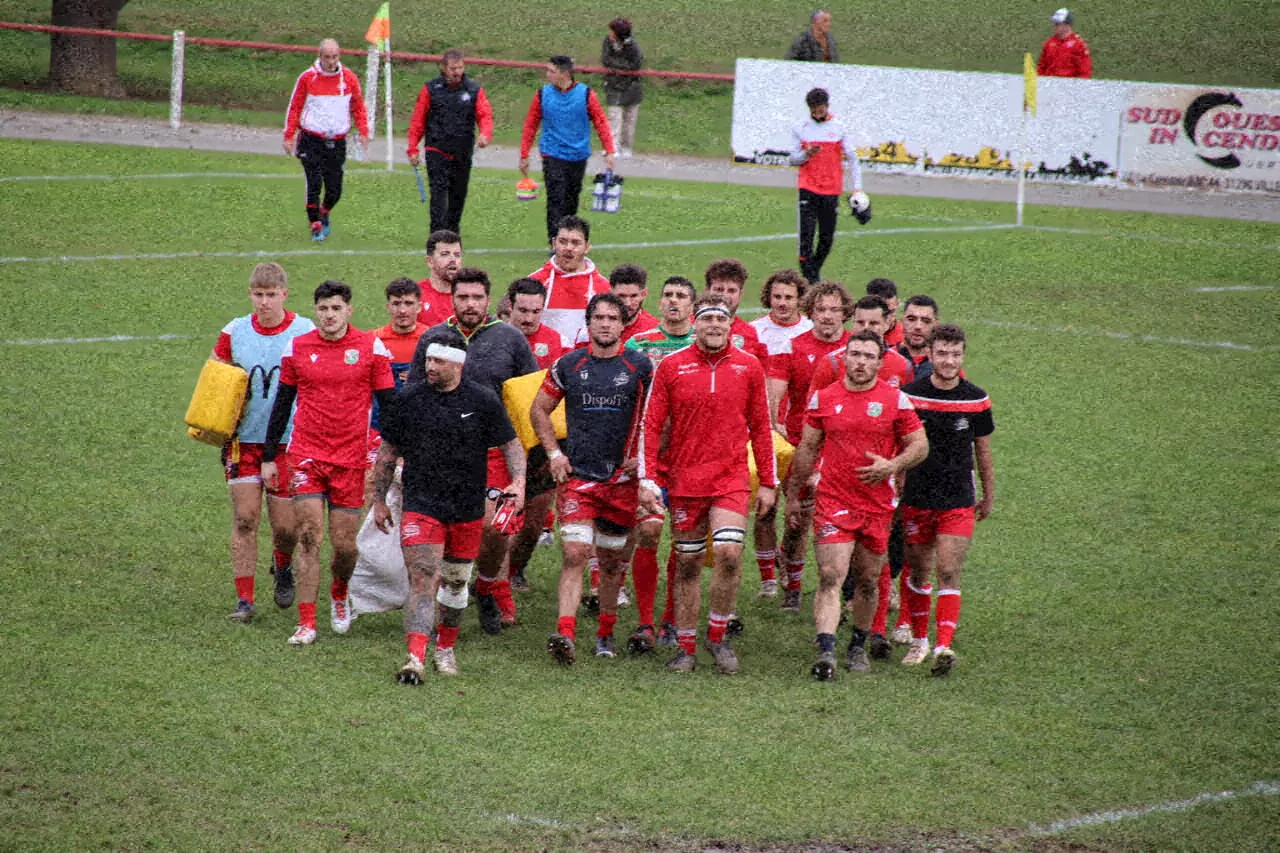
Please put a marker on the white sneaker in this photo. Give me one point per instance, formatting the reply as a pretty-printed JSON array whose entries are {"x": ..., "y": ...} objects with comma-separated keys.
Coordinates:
[
  {"x": 943, "y": 660},
  {"x": 902, "y": 634},
  {"x": 624, "y": 600},
  {"x": 625, "y": 154},
  {"x": 304, "y": 636},
  {"x": 547, "y": 539},
  {"x": 768, "y": 589},
  {"x": 341, "y": 615},
  {"x": 917, "y": 653},
  {"x": 412, "y": 672},
  {"x": 445, "y": 662}
]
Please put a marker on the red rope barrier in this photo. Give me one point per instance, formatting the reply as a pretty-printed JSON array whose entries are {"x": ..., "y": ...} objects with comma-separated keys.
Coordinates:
[{"x": 350, "y": 51}]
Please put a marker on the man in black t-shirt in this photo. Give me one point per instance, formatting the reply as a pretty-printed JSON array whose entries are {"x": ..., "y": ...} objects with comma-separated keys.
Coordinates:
[
  {"x": 603, "y": 388},
  {"x": 939, "y": 502},
  {"x": 443, "y": 428}
]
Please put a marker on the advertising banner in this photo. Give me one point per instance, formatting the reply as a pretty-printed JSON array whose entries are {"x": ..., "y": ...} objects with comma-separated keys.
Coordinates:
[{"x": 1203, "y": 138}]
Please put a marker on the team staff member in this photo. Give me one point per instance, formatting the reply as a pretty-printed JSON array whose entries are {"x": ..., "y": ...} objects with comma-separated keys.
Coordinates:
[
  {"x": 603, "y": 388},
  {"x": 709, "y": 400},
  {"x": 566, "y": 111},
  {"x": 445, "y": 118},
  {"x": 496, "y": 352},
  {"x": 823, "y": 149},
  {"x": 325, "y": 101},
  {"x": 443, "y": 428},
  {"x": 865, "y": 433},
  {"x": 1064, "y": 53},
  {"x": 333, "y": 373},
  {"x": 570, "y": 276},
  {"x": 256, "y": 342},
  {"x": 444, "y": 259},
  {"x": 939, "y": 505},
  {"x": 673, "y": 333},
  {"x": 789, "y": 375}
]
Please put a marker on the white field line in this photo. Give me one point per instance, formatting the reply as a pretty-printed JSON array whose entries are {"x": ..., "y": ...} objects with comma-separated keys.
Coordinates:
[
  {"x": 176, "y": 256},
  {"x": 1153, "y": 238},
  {"x": 1236, "y": 288},
  {"x": 1257, "y": 789}
]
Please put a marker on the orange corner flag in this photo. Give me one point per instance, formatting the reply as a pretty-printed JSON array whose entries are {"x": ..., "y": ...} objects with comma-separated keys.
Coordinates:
[
  {"x": 1029, "y": 80},
  {"x": 379, "y": 33}
]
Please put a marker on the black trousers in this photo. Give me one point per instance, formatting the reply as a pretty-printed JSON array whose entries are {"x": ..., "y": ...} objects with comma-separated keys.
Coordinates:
[
  {"x": 816, "y": 212},
  {"x": 563, "y": 179},
  {"x": 448, "y": 178},
  {"x": 322, "y": 163}
]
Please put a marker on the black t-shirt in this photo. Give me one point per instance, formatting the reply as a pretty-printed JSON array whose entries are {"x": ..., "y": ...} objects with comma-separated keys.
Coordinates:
[
  {"x": 952, "y": 420},
  {"x": 445, "y": 438}
]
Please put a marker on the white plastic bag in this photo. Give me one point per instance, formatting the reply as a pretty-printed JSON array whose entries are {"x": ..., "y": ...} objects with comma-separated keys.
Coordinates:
[{"x": 380, "y": 581}]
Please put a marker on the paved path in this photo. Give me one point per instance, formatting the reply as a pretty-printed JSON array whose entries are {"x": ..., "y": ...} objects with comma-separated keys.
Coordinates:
[{"x": 253, "y": 140}]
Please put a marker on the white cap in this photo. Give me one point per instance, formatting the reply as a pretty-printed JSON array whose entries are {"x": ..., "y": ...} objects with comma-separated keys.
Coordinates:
[{"x": 1062, "y": 16}]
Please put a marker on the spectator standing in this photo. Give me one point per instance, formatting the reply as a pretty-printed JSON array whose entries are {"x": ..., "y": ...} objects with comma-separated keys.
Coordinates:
[
  {"x": 1065, "y": 53},
  {"x": 623, "y": 92},
  {"x": 815, "y": 44},
  {"x": 566, "y": 110},
  {"x": 449, "y": 110}
]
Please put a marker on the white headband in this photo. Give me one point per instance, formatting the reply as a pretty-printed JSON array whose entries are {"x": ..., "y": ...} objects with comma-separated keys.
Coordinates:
[
  {"x": 711, "y": 309},
  {"x": 445, "y": 353}
]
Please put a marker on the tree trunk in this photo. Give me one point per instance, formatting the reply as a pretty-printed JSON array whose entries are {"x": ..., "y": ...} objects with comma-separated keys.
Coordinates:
[{"x": 82, "y": 64}]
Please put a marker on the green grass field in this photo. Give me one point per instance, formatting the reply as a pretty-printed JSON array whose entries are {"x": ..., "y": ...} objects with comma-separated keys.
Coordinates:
[
  {"x": 1175, "y": 42},
  {"x": 1117, "y": 644}
]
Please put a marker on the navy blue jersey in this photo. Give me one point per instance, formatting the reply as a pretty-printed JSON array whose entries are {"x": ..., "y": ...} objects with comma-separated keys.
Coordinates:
[
  {"x": 445, "y": 438},
  {"x": 603, "y": 403},
  {"x": 952, "y": 420}
]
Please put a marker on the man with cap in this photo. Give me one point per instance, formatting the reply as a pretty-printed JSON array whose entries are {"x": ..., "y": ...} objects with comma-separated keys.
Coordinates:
[
  {"x": 1065, "y": 53},
  {"x": 566, "y": 111},
  {"x": 443, "y": 428}
]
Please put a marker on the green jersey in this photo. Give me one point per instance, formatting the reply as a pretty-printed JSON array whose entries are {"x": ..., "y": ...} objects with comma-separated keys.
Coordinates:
[{"x": 657, "y": 344}]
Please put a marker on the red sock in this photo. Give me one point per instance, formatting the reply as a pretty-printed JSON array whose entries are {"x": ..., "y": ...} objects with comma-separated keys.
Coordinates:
[
  {"x": 948, "y": 615},
  {"x": 550, "y": 520},
  {"x": 669, "y": 612},
  {"x": 688, "y": 641},
  {"x": 567, "y": 626},
  {"x": 307, "y": 615},
  {"x": 244, "y": 588},
  {"x": 593, "y": 563},
  {"x": 882, "y": 602},
  {"x": 645, "y": 578},
  {"x": 446, "y": 637},
  {"x": 417, "y": 644},
  {"x": 919, "y": 600},
  {"x": 768, "y": 563},
  {"x": 338, "y": 589},
  {"x": 280, "y": 559},
  {"x": 795, "y": 575},
  {"x": 324, "y": 211},
  {"x": 607, "y": 621},
  {"x": 484, "y": 585},
  {"x": 716, "y": 624},
  {"x": 502, "y": 594},
  {"x": 904, "y": 598}
]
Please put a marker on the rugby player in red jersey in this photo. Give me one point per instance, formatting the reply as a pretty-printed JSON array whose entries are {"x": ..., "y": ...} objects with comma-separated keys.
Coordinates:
[
  {"x": 333, "y": 373},
  {"x": 444, "y": 259},
  {"x": 790, "y": 373},
  {"x": 939, "y": 504},
  {"x": 709, "y": 402},
  {"x": 603, "y": 388},
  {"x": 864, "y": 433}
]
